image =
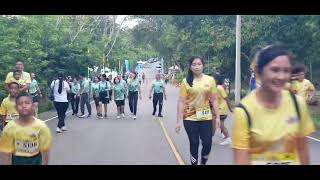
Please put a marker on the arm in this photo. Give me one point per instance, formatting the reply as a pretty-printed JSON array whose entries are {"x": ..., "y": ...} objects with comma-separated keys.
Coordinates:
[
  {"x": 45, "y": 157},
  {"x": 303, "y": 150},
  {"x": 229, "y": 105},
  {"x": 150, "y": 92},
  {"x": 39, "y": 91},
  {"x": 241, "y": 157},
  {"x": 24, "y": 88},
  {"x": 6, "y": 158},
  {"x": 164, "y": 93},
  {"x": 140, "y": 92},
  {"x": 214, "y": 102},
  {"x": 180, "y": 109}
]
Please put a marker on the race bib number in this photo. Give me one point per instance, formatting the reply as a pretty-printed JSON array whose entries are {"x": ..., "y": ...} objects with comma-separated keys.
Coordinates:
[
  {"x": 203, "y": 113},
  {"x": 274, "y": 159},
  {"x": 28, "y": 147}
]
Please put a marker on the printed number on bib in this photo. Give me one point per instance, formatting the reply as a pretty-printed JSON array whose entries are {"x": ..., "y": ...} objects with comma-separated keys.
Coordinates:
[
  {"x": 29, "y": 147},
  {"x": 203, "y": 113},
  {"x": 273, "y": 159}
]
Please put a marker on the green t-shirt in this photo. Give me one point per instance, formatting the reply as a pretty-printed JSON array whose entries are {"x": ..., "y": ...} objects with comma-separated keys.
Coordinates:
[
  {"x": 134, "y": 85},
  {"x": 157, "y": 86},
  {"x": 95, "y": 88},
  {"x": 85, "y": 85},
  {"x": 119, "y": 91},
  {"x": 75, "y": 88},
  {"x": 105, "y": 86},
  {"x": 33, "y": 88}
]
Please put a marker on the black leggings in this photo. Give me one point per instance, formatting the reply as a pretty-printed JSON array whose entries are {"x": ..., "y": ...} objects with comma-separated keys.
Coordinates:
[
  {"x": 133, "y": 101},
  {"x": 196, "y": 129},
  {"x": 157, "y": 97},
  {"x": 61, "y": 108},
  {"x": 75, "y": 103}
]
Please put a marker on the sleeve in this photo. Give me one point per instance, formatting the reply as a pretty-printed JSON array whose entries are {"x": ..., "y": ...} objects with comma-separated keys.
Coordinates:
[
  {"x": 214, "y": 87},
  {"x": 183, "y": 89},
  {"x": 240, "y": 133},
  {"x": 7, "y": 141},
  {"x": 311, "y": 86},
  {"x": 45, "y": 138},
  {"x": 52, "y": 84},
  {"x": 66, "y": 85},
  {"x": 306, "y": 123},
  {"x": 223, "y": 93},
  {"x": 7, "y": 81},
  {"x": 3, "y": 110},
  {"x": 28, "y": 79}
]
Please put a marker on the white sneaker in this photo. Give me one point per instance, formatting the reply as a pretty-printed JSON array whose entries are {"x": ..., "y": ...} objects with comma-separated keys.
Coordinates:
[
  {"x": 134, "y": 117},
  {"x": 226, "y": 141},
  {"x": 64, "y": 128},
  {"x": 58, "y": 130},
  {"x": 122, "y": 115},
  {"x": 82, "y": 116},
  {"x": 118, "y": 117}
]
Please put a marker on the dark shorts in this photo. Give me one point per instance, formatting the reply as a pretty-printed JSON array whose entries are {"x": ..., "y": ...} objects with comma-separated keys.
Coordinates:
[
  {"x": 119, "y": 103},
  {"x": 21, "y": 160},
  {"x": 103, "y": 97},
  {"x": 35, "y": 97},
  {"x": 223, "y": 117}
]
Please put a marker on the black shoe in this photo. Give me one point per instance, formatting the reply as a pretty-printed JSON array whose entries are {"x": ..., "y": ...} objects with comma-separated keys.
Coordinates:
[
  {"x": 153, "y": 113},
  {"x": 72, "y": 114},
  {"x": 160, "y": 115},
  {"x": 89, "y": 115}
]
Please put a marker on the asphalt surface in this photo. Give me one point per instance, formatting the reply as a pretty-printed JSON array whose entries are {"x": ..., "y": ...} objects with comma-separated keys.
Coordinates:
[{"x": 111, "y": 141}]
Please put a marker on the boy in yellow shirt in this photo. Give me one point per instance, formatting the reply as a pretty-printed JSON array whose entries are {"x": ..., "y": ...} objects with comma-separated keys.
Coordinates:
[
  {"x": 301, "y": 86},
  {"x": 26, "y": 140},
  {"x": 8, "y": 110}
]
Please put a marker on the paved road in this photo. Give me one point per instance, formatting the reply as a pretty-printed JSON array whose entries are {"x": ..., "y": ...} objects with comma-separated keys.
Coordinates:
[{"x": 137, "y": 142}]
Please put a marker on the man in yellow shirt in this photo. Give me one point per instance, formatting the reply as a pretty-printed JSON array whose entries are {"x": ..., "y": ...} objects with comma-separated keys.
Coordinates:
[
  {"x": 8, "y": 110},
  {"x": 26, "y": 79},
  {"x": 302, "y": 86},
  {"x": 26, "y": 140}
]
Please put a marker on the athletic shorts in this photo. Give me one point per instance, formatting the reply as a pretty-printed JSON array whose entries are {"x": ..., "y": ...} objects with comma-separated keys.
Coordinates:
[
  {"x": 119, "y": 103},
  {"x": 35, "y": 97},
  {"x": 103, "y": 97},
  {"x": 20, "y": 160}
]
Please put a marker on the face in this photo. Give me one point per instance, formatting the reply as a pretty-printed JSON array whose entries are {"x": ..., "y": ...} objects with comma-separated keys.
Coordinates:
[
  {"x": 19, "y": 66},
  {"x": 95, "y": 79},
  {"x": 196, "y": 66},
  {"x": 276, "y": 73},
  {"x": 75, "y": 80},
  {"x": 17, "y": 75},
  {"x": 116, "y": 80},
  {"x": 300, "y": 76},
  {"x": 25, "y": 106},
  {"x": 14, "y": 90},
  {"x": 33, "y": 76}
]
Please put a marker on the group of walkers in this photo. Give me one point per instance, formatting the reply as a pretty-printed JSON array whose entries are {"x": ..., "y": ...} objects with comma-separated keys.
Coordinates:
[{"x": 270, "y": 124}]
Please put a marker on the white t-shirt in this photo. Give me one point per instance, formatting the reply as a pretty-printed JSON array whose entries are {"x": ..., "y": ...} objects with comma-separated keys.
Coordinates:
[{"x": 63, "y": 96}]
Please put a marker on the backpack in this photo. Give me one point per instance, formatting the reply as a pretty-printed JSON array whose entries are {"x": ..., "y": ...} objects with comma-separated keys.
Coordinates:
[{"x": 294, "y": 99}]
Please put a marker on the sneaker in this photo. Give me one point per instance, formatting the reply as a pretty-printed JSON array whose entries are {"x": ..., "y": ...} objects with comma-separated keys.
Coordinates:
[
  {"x": 122, "y": 115},
  {"x": 227, "y": 141},
  {"x": 105, "y": 116},
  {"x": 134, "y": 117},
  {"x": 58, "y": 130},
  {"x": 64, "y": 128},
  {"x": 160, "y": 115},
  {"x": 153, "y": 113},
  {"x": 89, "y": 115},
  {"x": 118, "y": 117},
  {"x": 100, "y": 116},
  {"x": 82, "y": 116}
]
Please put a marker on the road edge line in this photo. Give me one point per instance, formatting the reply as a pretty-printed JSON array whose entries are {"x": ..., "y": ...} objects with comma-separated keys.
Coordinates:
[{"x": 169, "y": 140}]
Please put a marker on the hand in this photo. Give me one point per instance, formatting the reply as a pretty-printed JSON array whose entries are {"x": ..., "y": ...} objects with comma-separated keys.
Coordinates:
[
  {"x": 140, "y": 97},
  {"x": 149, "y": 97},
  {"x": 165, "y": 97},
  {"x": 217, "y": 121},
  {"x": 178, "y": 127},
  {"x": 231, "y": 110},
  {"x": 40, "y": 95}
]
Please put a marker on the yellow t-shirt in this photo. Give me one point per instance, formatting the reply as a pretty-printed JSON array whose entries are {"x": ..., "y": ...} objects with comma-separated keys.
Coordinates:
[
  {"x": 8, "y": 109},
  {"x": 273, "y": 131},
  {"x": 24, "y": 79},
  {"x": 25, "y": 141},
  {"x": 302, "y": 88},
  {"x": 223, "y": 107},
  {"x": 197, "y": 98}
]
